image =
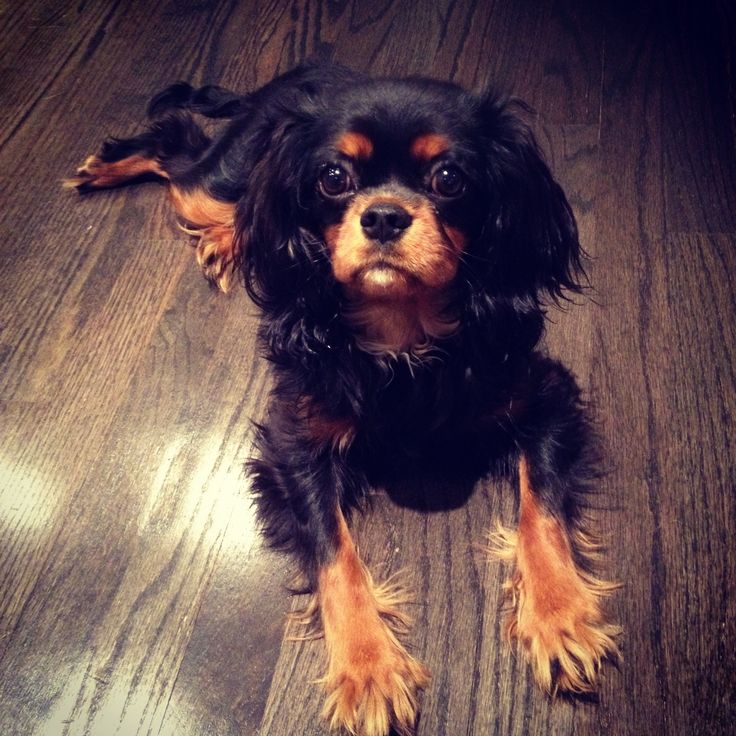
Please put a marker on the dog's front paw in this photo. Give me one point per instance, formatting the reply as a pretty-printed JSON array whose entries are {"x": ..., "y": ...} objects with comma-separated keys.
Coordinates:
[
  {"x": 565, "y": 637},
  {"x": 373, "y": 685},
  {"x": 372, "y": 681}
]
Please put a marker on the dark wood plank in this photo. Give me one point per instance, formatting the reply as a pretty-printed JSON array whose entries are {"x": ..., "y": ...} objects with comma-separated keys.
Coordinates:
[
  {"x": 41, "y": 41},
  {"x": 645, "y": 407},
  {"x": 699, "y": 107},
  {"x": 550, "y": 54}
]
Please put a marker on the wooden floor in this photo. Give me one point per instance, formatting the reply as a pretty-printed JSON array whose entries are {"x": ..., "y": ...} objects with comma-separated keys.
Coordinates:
[{"x": 135, "y": 594}]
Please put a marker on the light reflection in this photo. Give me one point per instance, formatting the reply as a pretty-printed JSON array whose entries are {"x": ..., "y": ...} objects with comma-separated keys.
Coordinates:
[
  {"x": 234, "y": 514},
  {"x": 200, "y": 487},
  {"x": 63, "y": 707},
  {"x": 158, "y": 489},
  {"x": 198, "y": 492},
  {"x": 28, "y": 498}
]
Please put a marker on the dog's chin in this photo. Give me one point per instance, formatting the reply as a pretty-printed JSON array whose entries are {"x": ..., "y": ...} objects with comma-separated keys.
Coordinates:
[{"x": 385, "y": 281}]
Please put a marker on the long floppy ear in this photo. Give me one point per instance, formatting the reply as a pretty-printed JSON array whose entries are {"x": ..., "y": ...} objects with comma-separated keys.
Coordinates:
[
  {"x": 531, "y": 231},
  {"x": 279, "y": 255}
]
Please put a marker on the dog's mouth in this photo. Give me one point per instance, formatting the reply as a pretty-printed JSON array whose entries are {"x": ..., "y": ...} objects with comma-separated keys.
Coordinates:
[
  {"x": 422, "y": 258},
  {"x": 385, "y": 278}
]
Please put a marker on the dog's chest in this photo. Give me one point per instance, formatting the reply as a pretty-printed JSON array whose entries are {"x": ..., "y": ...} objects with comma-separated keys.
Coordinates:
[{"x": 418, "y": 401}]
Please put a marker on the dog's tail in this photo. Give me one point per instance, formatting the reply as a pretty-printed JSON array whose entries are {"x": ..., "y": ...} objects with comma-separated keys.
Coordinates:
[{"x": 211, "y": 101}]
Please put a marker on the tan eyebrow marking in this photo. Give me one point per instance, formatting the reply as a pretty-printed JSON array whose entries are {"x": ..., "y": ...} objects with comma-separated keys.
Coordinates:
[
  {"x": 355, "y": 145},
  {"x": 428, "y": 146}
]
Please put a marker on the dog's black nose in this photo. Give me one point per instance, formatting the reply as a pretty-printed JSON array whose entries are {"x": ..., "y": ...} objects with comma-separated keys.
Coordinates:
[{"x": 385, "y": 221}]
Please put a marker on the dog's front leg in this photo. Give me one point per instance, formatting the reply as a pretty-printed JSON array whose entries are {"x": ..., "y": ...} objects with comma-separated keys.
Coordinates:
[
  {"x": 302, "y": 479},
  {"x": 371, "y": 679},
  {"x": 557, "y": 615}
]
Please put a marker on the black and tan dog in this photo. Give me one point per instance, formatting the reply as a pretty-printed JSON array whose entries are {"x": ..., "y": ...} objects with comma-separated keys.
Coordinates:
[{"x": 401, "y": 238}]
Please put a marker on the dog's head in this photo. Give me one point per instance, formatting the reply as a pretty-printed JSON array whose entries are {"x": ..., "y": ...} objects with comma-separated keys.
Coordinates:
[{"x": 384, "y": 196}]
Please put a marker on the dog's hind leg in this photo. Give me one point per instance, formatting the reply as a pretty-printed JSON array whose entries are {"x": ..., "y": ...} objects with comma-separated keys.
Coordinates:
[
  {"x": 168, "y": 150},
  {"x": 98, "y": 173},
  {"x": 211, "y": 221},
  {"x": 159, "y": 151}
]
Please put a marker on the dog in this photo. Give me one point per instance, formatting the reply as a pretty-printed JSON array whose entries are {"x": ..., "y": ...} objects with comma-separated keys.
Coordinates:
[{"x": 402, "y": 238}]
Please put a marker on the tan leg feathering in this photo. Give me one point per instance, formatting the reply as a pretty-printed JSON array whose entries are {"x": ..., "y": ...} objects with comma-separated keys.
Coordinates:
[
  {"x": 556, "y": 617},
  {"x": 372, "y": 681}
]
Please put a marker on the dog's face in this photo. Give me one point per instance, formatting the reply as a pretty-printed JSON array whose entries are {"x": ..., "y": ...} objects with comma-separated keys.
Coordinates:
[
  {"x": 395, "y": 191},
  {"x": 405, "y": 190}
]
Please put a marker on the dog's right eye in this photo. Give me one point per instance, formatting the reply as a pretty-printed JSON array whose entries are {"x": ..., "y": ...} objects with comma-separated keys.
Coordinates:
[{"x": 334, "y": 181}]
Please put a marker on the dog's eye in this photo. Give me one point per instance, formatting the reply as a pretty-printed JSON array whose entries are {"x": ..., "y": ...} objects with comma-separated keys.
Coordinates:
[
  {"x": 334, "y": 180},
  {"x": 448, "y": 181}
]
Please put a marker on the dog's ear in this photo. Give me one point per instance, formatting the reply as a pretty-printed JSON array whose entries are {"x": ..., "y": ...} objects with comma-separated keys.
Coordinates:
[
  {"x": 530, "y": 235},
  {"x": 278, "y": 254}
]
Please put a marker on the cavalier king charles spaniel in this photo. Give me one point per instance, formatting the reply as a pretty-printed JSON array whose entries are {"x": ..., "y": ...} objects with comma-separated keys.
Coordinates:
[{"x": 402, "y": 238}]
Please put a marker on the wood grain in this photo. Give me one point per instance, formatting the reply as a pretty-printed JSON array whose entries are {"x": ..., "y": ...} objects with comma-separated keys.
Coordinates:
[{"x": 135, "y": 595}]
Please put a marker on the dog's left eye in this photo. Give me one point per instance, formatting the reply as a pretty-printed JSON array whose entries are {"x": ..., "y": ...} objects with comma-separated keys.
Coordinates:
[
  {"x": 334, "y": 180},
  {"x": 448, "y": 181}
]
